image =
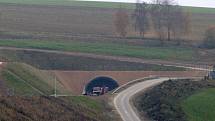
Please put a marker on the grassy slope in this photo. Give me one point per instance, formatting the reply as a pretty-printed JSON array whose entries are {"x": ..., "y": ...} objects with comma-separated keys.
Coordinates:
[
  {"x": 200, "y": 106},
  {"x": 49, "y": 109},
  {"x": 26, "y": 80},
  {"x": 165, "y": 53},
  {"x": 85, "y": 101},
  {"x": 100, "y": 106},
  {"x": 95, "y": 4},
  {"x": 17, "y": 86}
]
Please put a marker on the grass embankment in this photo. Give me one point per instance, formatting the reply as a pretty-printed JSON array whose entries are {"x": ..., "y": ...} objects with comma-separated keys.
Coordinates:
[
  {"x": 163, "y": 53},
  {"x": 200, "y": 106},
  {"x": 87, "y": 102},
  {"x": 95, "y": 4},
  {"x": 26, "y": 80}
]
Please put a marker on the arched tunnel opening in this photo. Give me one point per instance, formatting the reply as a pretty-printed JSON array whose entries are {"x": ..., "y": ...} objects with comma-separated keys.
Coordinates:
[{"x": 100, "y": 86}]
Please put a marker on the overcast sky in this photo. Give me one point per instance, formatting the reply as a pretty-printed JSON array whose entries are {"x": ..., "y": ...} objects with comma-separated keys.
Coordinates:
[{"x": 198, "y": 3}]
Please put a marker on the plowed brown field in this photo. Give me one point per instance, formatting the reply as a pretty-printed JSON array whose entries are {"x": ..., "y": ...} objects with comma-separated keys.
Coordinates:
[
  {"x": 72, "y": 23},
  {"x": 75, "y": 81}
]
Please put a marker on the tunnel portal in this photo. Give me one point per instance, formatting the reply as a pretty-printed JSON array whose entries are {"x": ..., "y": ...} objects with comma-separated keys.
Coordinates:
[{"x": 100, "y": 86}]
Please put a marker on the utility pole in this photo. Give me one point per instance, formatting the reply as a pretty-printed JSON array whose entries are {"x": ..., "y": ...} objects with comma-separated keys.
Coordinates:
[{"x": 55, "y": 87}]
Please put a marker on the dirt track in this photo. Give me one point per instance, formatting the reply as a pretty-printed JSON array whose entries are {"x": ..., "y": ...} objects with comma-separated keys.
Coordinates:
[{"x": 75, "y": 81}]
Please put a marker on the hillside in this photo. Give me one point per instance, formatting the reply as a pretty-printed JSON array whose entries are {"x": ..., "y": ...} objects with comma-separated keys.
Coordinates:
[
  {"x": 50, "y": 109},
  {"x": 77, "y": 19}
]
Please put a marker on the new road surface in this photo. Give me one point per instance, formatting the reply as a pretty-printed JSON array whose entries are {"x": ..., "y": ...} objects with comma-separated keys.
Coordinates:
[{"x": 122, "y": 100}]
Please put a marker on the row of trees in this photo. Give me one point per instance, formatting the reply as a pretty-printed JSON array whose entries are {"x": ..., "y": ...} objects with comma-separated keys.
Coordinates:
[{"x": 168, "y": 20}]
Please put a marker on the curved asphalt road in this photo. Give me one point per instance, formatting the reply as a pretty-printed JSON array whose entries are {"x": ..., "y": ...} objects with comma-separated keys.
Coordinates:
[{"x": 122, "y": 100}]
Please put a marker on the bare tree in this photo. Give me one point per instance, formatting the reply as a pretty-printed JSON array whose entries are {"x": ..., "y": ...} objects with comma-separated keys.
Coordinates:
[
  {"x": 187, "y": 23},
  {"x": 168, "y": 11},
  {"x": 181, "y": 24},
  {"x": 141, "y": 18},
  {"x": 157, "y": 18},
  {"x": 169, "y": 18},
  {"x": 121, "y": 21}
]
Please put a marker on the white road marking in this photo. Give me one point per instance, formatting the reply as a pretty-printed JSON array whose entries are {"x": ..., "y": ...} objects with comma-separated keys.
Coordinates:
[{"x": 122, "y": 100}]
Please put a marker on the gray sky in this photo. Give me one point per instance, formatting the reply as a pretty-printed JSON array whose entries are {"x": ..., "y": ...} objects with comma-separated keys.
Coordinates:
[{"x": 198, "y": 3}]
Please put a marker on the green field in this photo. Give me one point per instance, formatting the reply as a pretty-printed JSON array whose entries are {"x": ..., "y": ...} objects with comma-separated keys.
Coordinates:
[
  {"x": 200, "y": 106},
  {"x": 94, "y": 4},
  {"x": 71, "y": 3},
  {"x": 163, "y": 53}
]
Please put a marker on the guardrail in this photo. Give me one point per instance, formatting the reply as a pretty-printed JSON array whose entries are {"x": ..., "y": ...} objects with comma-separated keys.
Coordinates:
[
  {"x": 133, "y": 82},
  {"x": 124, "y": 86}
]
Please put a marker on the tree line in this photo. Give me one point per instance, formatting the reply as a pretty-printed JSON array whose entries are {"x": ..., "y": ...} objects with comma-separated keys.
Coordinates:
[{"x": 168, "y": 20}]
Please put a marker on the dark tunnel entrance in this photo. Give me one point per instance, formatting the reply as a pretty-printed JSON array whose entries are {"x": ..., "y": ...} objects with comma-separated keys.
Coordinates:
[{"x": 100, "y": 86}]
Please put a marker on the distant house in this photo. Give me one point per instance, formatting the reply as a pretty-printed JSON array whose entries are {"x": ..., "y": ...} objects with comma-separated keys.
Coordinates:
[{"x": 211, "y": 74}]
